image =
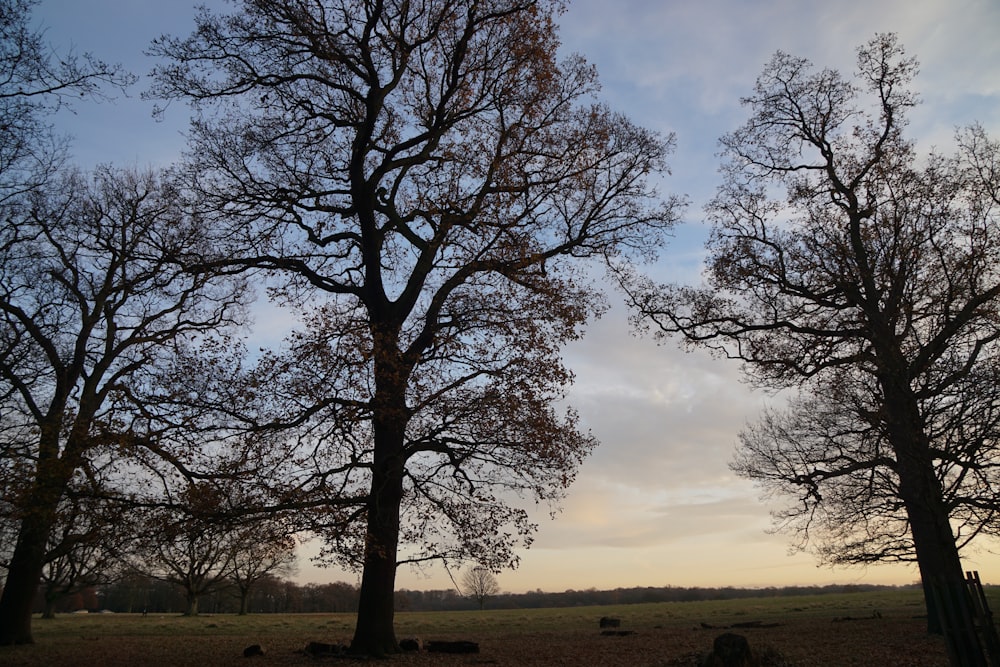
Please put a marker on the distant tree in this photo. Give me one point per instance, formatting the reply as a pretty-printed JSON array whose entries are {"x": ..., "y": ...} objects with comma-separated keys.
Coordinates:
[
  {"x": 259, "y": 550},
  {"x": 135, "y": 592},
  {"x": 129, "y": 593},
  {"x": 436, "y": 172},
  {"x": 479, "y": 584},
  {"x": 188, "y": 545},
  {"x": 336, "y": 597},
  {"x": 841, "y": 259}
]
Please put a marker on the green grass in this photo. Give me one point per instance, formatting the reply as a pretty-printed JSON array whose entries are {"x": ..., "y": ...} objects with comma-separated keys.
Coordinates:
[
  {"x": 665, "y": 628},
  {"x": 554, "y": 620}
]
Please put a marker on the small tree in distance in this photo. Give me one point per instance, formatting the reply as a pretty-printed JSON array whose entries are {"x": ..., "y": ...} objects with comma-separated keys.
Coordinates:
[
  {"x": 85, "y": 547},
  {"x": 258, "y": 551},
  {"x": 480, "y": 585},
  {"x": 187, "y": 545}
]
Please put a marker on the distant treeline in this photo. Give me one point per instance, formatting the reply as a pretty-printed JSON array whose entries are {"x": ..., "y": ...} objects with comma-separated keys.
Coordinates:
[
  {"x": 277, "y": 595},
  {"x": 449, "y": 600},
  {"x": 271, "y": 595}
]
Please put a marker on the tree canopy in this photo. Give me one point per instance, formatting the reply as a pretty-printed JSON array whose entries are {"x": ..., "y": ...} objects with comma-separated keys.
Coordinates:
[
  {"x": 35, "y": 82},
  {"x": 436, "y": 174},
  {"x": 846, "y": 265}
]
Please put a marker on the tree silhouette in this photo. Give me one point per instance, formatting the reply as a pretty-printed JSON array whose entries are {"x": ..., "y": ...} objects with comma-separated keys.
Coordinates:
[
  {"x": 435, "y": 173},
  {"x": 90, "y": 294},
  {"x": 188, "y": 545},
  {"x": 480, "y": 585},
  {"x": 842, "y": 263}
]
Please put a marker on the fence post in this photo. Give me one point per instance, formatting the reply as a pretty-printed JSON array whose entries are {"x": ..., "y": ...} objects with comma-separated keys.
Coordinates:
[
  {"x": 955, "y": 609},
  {"x": 984, "y": 618}
]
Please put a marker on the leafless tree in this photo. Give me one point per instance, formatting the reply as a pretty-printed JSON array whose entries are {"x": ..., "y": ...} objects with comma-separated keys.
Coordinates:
[
  {"x": 436, "y": 173},
  {"x": 843, "y": 263},
  {"x": 92, "y": 292},
  {"x": 187, "y": 544},
  {"x": 480, "y": 584},
  {"x": 259, "y": 550}
]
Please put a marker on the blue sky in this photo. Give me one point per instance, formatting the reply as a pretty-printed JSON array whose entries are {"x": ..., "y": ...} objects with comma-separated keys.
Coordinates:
[{"x": 656, "y": 504}]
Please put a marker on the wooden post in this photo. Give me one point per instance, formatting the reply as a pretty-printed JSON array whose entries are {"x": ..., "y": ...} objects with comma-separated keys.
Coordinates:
[
  {"x": 984, "y": 618},
  {"x": 958, "y": 624}
]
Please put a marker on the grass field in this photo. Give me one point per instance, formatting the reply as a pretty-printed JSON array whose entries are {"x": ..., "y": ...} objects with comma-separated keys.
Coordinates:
[{"x": 835, "y": 630}]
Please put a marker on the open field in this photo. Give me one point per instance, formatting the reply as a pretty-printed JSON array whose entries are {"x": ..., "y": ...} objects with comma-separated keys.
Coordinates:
[{"x": 835, "y": 630}]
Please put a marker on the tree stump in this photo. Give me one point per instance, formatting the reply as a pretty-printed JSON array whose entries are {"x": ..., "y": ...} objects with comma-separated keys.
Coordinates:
[
  {"x": 252, "y": 650},
  {"x": 731, "y": 650},
  {"x": 408, "y": 645}
]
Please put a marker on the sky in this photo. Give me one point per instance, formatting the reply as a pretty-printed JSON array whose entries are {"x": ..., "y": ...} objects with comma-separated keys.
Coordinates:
[{"x": 656, "y": 504}]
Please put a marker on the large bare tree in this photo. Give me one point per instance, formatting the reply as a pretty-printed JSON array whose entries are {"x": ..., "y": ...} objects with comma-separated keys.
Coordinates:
[
  {"x": 437, "y": 173},
  {"x": 92, "y": 293},
  {"x": 840, "y": 259},
  {"x": 90, "y": 289}
]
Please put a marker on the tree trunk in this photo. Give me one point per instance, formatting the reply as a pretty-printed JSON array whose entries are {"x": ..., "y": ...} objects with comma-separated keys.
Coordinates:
[
  {"x": 934, "y": 543},
  {"x": 28, "y": 559},
  {"x": 192, "y": 605},
  {"x": 23, "y": 575},
  {"x": 374, "y": 634},
  {"x": 50, "y": 607},
  {"x": 949, "y": 609},
  {"x": 244, "y": 601}
]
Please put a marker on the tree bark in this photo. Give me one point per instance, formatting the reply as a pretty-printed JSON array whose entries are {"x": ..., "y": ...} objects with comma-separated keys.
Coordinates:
[
  {"x": 933, "y": 540},
  {"x": 23, "y": 575},
  {"x": 949, "y": 608},
  {"x": 374, "y": 633},
  {"x": 28, "y": 559},
  {"x": 192, "y": 605}
]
